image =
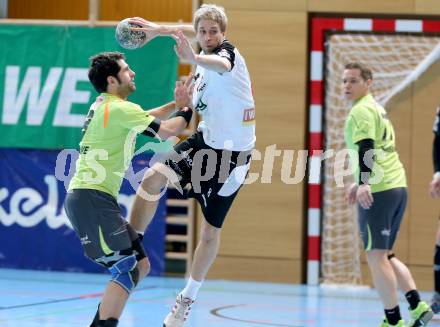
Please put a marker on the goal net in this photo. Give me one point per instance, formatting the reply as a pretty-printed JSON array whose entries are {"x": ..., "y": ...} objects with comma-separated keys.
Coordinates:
[{"x": 396, "y": 61}]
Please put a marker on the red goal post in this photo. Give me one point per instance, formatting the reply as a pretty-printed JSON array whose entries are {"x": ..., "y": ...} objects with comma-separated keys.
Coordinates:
[{"x": 321, "y": 29}]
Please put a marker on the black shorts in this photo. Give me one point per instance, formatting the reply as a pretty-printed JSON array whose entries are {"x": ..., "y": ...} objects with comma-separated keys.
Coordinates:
[
  {"x": 380, "y": 224},
  {"x": 215, "y": 175},
  {"x": 104, "y": 234}
]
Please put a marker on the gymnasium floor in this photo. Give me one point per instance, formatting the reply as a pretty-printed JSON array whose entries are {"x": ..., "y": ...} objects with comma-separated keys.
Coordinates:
[{"x": 49, "y": 299}]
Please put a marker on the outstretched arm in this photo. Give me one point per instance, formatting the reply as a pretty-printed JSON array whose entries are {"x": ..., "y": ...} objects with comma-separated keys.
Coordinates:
[
  {"x": 153, "y": 29},
  {"x": 175, "y": 125},
  {"x": 164, "y": 129},
  {"x": 164, "y": 111}
]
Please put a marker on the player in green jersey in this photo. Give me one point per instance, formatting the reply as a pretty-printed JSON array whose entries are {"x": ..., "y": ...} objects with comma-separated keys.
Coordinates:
[
  {"x": 380, "y": 191},
  {"x": 106, "y": 149}
]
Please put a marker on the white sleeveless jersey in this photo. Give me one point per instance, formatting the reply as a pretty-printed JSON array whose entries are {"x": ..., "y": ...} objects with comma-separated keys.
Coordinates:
[
  {"x": 225, "y": 103},
  {"x": 436, "y": 127}
]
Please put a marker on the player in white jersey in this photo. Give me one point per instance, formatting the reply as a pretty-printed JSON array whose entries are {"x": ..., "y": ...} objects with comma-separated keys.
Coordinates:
[
  {"x": 434, "y": 191},
  {"x": 215, "y": 160}
]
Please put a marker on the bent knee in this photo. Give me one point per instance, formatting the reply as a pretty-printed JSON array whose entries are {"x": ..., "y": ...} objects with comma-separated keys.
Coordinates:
[
  {"x": 144, "y": 268},
  {"x": 210, "y": 233},
  {"x": 153, "y": 181},
  {"x": 125, "y": 272}
]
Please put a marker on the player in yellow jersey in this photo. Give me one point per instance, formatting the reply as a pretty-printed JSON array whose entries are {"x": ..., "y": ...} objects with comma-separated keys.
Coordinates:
[
  {"x": 381, "y": 194},
  {"x": 106, "y": 149}
]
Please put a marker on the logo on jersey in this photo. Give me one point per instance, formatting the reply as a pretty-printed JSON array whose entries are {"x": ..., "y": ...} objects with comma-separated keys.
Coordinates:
[
  {"x": 224, "y": 53},
  {"x": 201, "y": 87},
  {"x": 200, "y": 106},
  {"x": 249, "y": 116}
]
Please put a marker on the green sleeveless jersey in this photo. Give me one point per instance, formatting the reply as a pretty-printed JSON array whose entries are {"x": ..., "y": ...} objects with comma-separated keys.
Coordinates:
[{"x": 108, "y": 143}]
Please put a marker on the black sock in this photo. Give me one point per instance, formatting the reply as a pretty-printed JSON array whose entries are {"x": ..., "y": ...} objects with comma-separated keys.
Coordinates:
[
  {"x": 393, "y": 315},
  {"x": 437, "y": 269},
  {"x": 413, "y": 299},
  {"x": 96, "y": 319},
  {"x": 110, "y": 322}
]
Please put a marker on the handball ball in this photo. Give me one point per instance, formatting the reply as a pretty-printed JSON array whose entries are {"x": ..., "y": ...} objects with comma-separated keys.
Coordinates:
[{"x": 127, "y": 38}]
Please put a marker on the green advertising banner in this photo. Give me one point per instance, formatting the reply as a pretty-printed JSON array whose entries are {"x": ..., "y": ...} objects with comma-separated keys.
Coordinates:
[{"x": 44, "y": 90}]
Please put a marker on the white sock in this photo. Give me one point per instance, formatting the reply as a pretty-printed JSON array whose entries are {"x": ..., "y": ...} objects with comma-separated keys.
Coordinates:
[{"x": 191, "y": 289}]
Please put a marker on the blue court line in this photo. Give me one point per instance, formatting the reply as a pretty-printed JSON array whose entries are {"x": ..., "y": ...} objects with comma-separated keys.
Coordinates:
[
  {"x": 37, "y": 280},
  {"x": 81, "y": 297},
  {"x": 44, "y": 314}
]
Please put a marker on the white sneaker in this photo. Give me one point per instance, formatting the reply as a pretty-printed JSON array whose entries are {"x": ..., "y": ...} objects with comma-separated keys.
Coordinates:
[{"x": 180, "y": 312}]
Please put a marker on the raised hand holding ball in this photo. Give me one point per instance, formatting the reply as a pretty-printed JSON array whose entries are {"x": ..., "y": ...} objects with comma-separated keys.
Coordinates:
[{"x": 129, "y": 38}]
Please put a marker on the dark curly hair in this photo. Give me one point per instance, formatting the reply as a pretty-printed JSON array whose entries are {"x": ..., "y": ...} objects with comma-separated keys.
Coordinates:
[{"x": 102, "y": 65}]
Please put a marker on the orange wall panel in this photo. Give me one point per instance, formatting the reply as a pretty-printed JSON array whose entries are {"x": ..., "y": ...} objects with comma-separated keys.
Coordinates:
[
  {"x": 49, "y": 9},
  {"x": 154, "y": 10}
]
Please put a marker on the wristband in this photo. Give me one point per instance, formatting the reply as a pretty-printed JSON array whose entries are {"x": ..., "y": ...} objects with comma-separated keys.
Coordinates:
[{"x": 186, "y": 113}]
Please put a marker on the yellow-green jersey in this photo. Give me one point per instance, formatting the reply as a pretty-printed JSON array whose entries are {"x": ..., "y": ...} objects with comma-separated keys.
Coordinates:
[
  {"x": 368, "y": 120},
  {"x": 108, "y": 143}
]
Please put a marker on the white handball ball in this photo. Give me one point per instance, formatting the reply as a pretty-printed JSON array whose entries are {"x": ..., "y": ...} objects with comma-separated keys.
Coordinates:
[{"x": 127, "y": 38}]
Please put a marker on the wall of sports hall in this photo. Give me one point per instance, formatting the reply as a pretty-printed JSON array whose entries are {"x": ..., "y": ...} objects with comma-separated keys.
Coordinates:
[{"x": 265, "y": 237}]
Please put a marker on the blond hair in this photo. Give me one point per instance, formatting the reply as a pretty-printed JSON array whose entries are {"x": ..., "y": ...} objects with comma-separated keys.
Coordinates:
[{"x": 211, "y": 12}]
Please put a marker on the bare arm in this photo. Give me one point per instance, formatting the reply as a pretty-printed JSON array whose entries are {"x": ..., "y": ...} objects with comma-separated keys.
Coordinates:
[
  {"x": 163, "y": 112},
  {"x": 213, "y": 62},
  {"x": 168, "y": 30},
  {"x": 153, "y": 29},
  {"x": 171, "y": 127}
]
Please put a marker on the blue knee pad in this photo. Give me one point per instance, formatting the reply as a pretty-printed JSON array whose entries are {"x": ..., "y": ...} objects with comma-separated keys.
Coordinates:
[{"x": 125, "y": 273}]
